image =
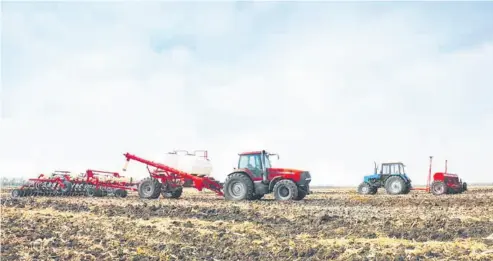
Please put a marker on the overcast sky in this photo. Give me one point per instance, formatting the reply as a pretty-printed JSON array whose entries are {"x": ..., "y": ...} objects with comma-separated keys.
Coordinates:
[{"x": 331, "y": 87}]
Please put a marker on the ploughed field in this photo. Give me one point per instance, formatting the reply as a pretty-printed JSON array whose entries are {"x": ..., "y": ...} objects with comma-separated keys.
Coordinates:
[{"x": 331, "y": 224}]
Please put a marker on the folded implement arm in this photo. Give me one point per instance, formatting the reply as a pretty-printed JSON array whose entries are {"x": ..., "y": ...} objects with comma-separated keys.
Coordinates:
[
  {"x": 175, "y": 178},
  {"x": 109, "y": 182}
]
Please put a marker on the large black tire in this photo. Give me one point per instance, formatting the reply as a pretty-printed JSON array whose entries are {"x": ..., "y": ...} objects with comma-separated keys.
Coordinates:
[
  {"x": 90, "y": 191},
  {"x": 438, "y": 188},
  {"x": 238, "y": 186},
  {"x": 121, "y": 193},
  {"x": 464, "y": 186},
  {"x": 364, "y": 188},
  {"x": 149, "y": 188},
  {"x": 285, "y": 189},
  {"x": 407, "y": 190},
  {"x": 172, "y": 193},
  {"x": 17, "y": 193},
  {"x": 99, "y": 192},
  {"x": 257, "y": 196},
  {"x": 395, "y": 185},
  {"x": 301, "y": 194},
  {"x": 67, "y": 189}
]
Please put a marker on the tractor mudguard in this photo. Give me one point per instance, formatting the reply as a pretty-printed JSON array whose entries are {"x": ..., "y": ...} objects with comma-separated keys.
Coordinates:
[{"x": 273, "y": 182}]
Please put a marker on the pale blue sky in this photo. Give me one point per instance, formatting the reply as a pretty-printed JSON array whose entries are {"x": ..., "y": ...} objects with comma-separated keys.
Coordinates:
[{"x": 330, "y": 86}]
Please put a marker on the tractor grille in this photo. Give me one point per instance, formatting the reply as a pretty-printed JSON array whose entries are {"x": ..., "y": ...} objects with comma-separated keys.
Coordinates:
[{"x": 305, "y": 179}]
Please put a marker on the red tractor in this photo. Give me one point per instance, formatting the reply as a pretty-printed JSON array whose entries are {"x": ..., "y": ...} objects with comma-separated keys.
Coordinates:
[{"x": 255, "y": 177}]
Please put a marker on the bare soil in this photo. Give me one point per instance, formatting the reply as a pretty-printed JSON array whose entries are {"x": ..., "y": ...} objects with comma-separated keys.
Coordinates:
[{"x": 332, "y": 224}]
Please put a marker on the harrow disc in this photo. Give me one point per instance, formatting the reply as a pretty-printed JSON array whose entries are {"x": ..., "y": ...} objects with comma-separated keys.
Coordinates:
[{"x": 17, "y": 193}]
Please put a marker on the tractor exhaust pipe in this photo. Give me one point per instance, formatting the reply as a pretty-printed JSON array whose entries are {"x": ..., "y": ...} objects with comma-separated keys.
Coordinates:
[{"x": 264, "y": 169}]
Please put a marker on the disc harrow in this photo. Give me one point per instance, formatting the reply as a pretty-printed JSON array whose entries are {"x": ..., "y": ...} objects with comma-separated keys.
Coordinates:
[{"x": 92, "y": 183}]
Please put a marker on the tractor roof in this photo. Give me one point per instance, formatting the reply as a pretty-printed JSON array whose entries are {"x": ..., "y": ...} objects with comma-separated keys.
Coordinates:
[
  {"x": 441, "y": 175},
  {"x": 250, "y": 152},
  {"x": 392, "y": 163}
]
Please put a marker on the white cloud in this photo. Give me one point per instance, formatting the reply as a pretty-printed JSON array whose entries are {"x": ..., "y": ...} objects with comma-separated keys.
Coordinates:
[{"x": 329, "y": 93}]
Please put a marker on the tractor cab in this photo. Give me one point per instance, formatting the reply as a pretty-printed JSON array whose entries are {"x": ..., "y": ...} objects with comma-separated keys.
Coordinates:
[
  {"x": 257, "y": 162},
  {"x": 394, "y": 168}
]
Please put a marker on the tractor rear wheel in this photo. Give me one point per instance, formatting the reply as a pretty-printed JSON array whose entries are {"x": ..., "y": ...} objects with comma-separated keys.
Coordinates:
[
  {"x": 149, "y": 188},
  {"x": 172, "y": 193},
  {"x": 438, "y": 188},
  {"x": 285, "y": 189},
  {"x": 464, "y": 186},
  {"x": 238, "y": 186},
  {"x": 364, "y": 188},
  {"x": 407, "y": 190},
  {"x": 395, "y": 185}
]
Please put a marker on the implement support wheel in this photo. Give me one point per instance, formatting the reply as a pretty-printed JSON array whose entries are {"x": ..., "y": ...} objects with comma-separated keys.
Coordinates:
[
  {"x": 438, "y": 188},
  {"x": 149, "y": 188}
]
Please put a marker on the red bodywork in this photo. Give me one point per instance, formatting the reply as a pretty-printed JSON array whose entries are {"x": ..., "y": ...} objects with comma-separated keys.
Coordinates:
[
  {"x": 451, "y": 180},
  {"x": 276, "y": 173},
  {"x": 272, "y": 173},
  {"x": 93, "y": 177},
  {"x": 176, "y": 178}
]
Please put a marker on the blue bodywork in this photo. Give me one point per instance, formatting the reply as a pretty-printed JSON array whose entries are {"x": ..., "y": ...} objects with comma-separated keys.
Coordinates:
[
  {"x": 370, "y": 177},
  {"x": 367, "y": 178}
]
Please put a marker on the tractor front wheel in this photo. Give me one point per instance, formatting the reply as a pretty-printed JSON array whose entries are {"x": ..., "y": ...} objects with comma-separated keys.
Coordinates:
[
  {"x": 238, "y": 186},
  {"x": 364, "y": 188},
  {"x": 438, "y": 188},
  {"x": 301, "y": 194},
  {"x": 373, "y": 190},
  {"x": 285, "y": 189}
]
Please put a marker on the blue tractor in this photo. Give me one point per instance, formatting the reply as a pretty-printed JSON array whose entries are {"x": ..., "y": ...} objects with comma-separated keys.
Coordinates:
[{"x": 392, "y": 177}]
